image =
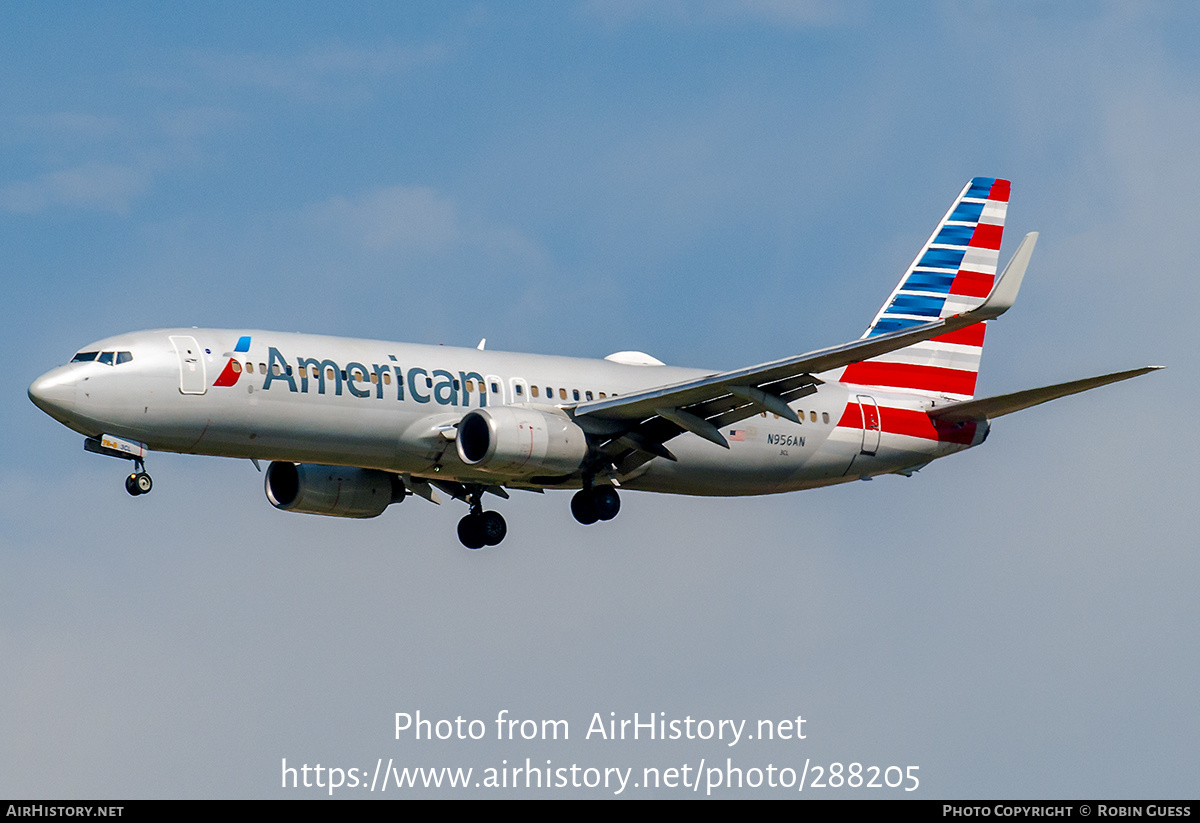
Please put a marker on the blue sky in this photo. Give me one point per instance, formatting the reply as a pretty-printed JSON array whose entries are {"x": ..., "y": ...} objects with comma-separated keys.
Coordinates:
[{"x": 717, "y": 184}]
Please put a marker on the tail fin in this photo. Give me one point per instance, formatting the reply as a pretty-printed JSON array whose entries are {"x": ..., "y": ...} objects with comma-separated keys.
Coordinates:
[{"x": 953, "y": 273}]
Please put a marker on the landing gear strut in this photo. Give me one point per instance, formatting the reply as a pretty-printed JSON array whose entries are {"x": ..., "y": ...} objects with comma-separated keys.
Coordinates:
[
  {"x": 480, "y": 528},
  {"x": 592, "y": 503}
]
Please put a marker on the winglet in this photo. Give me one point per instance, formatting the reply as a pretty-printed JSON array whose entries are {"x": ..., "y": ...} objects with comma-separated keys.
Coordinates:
[{"x": 1004, "y": 293}]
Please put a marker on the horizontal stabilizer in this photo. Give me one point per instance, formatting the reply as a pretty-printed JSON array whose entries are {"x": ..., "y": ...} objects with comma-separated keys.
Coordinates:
[{"x": 991, "y": 407}]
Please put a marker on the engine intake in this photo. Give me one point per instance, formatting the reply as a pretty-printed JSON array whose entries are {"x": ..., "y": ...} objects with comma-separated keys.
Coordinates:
[
  {"x": 519, "y": 441},
  {"x": 337, "y": 491}
]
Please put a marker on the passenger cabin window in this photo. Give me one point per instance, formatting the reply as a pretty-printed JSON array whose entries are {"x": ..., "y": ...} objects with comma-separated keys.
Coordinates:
[
  {"x": 562, "y": 394},
  {"x": 533, "y": 390},
  {"x": 575, "y": 393},
  {"x": 495, "y": 388},
  {"x": 519, "y": 390},
  {"x": 813, "y": 416},
  {"x": 470, "y": 386},
  {"x": 825, "y": 416},
  {"x": 387, "y": 378},
  {"x": 249, "y": 367},
  {"x": 588, "y": 395}
]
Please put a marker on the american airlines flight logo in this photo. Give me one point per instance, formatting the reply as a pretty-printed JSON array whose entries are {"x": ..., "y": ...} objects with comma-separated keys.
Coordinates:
[{"x": 233, "y": 369}]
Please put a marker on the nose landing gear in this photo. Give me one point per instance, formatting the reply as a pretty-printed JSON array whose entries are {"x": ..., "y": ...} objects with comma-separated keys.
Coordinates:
[{"x": 139, "y": 482}]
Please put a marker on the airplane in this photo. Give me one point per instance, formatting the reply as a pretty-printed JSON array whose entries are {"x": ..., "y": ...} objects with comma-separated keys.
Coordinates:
[{"x": 352, "y": 426}]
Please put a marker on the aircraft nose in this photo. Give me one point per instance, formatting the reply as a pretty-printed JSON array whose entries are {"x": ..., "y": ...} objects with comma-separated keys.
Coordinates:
[{"x": 54, "y": 393}]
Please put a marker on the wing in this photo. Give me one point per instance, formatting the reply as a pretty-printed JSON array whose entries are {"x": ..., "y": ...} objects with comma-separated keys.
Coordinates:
[{"x": 637, "y": 425}]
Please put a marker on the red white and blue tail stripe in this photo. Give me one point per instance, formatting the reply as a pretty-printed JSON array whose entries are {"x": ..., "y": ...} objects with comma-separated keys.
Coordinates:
[{"x": 953, "y": 273}]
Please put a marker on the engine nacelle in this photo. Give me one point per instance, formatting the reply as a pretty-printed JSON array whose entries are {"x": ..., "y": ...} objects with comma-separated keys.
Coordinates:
[
  {"x": 337, "y": 491},
  {"x": 511, "y": 440}
]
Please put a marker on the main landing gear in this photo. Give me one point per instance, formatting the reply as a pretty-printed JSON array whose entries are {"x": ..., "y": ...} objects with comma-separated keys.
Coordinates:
[
  {"x": 593, "y": 503},
  {"x": 480, "y": 528}
]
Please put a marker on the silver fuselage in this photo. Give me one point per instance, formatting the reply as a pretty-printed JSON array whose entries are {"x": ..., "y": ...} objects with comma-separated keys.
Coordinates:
[{"x": 389, "y": 406}]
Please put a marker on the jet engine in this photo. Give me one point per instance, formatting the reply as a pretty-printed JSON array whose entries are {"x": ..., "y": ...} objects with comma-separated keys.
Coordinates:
[
  {"x": 517, "y": 441},
  {"x": 338, "y": 491}
]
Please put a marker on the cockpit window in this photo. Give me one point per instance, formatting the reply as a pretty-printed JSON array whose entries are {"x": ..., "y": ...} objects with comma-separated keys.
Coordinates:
[{"x": 108, "y": 358}]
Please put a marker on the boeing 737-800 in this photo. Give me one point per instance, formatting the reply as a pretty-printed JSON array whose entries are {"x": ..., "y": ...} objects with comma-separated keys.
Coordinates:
[{"x": 352, "y": 426}]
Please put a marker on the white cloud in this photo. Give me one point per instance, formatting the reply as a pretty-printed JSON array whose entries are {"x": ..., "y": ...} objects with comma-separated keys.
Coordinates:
[
  {"x": 93, "y": 186},
  {"x": 400, "y": 217},
  {"x": 102, "y": 162},
  {"x": 317, "y": 72},
  {"x": 71, "y": 124},
  {"x": 417, "y": 219},
  {"x": 786, "y": 13}
]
